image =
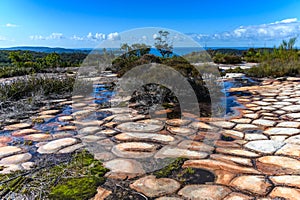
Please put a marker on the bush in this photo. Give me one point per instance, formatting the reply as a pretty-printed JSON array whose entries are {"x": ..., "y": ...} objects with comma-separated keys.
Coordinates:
[
  {"x": 227, "y": 59},
  {"x": 26, "y": 87}
]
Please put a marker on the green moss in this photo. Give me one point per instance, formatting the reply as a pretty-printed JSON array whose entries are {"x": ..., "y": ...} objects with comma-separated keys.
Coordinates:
[
  {"x": 76, "y": 179},
  {"x": 167, "y": 170},
  {"x": 76, "y": 188},
  {"x": 89, "y": 174}
]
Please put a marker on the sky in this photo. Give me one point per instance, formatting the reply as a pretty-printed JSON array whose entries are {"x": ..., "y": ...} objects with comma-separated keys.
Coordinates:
[{"x": 86, "y": 23}]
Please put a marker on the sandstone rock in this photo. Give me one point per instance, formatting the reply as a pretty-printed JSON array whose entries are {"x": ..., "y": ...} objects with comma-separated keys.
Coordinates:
[
  {"x": 9, "y": 150},
  {"x": 106, "y": 142},
  {"x": 89, "y": 130},
  {"x": 229, "y": 144},
  {"x": 237, "y": 152},
  {"x": 242, "y": 120},
  {"x": 282, "y": 131},
  {"x": 38, "y": 137},
  {"x": 49, "y": 112},
  {"x": 244, "y": 127},
  {"x": 17, "y": 126},
  {"x": 255, "y": 136},
  {"x": 136, "y": 146},
  {"x": 174, "y": 152},
  {"x": 128, "y": 118},
  {"x": 117, "y": 110},
  {"x": 286, "y": 193},
  {"x": 178, "y": 122},
  {"x": 181, "y": 131},
  {"x": 23, "y": 132},
  {"x": 287, "y": 180},
  {"x": 9, "y": 168},
  {"x": 219, "y": 165},
  {"x": 104, "y": 156},
  {"x": 293, "y": 140},
  {"x": 237, "y": 196},
  {"x": 123, "y": 168},
  {"x": 144, "y": 137},
  {"x": 42, "y": 118},
  {"x": 261, "y": 103},
  {"x": 72, "y": 148},
  {"x": 107, "y": 132},
  {"x": 200, "y": 126},
  {"x": 279, "y": 138},
  {"x": 289, "y": 124},
  {"x": 56, "y": 145},
  {"x": 28, "y": 165},
  {"x": 153, "y": 187},
  {"x": 62, "y": 134},
  {"x": 78, "y": 105},
  {"x": 204, "y": 192},
  {"x": 293, "y": 115},
  {"x": 223, "y": 124},
  {"x": 101, "y": 194},
  {"x": 252, "y": 116},
  {"x": 223, "y": 177},
  {"x": 152, "y": 121},
  {"x": 233, "y": 134},
  {"x": 91, "y": 138},
  {"x": 92, "y": 123},
  {"x": 134, "y": 150},
  {"x": 264, "y": 146},
  {"x": 278, "y": 165},
  {"x": 5, "y": 139},
  {"x": 16, "y": 159},
  {"x": 264, "y": 123},
  {"x": 292, "y": 108},
  {"x": 231, "y": 159},
  {"x": 139, "y": 127},
  {"x": 289, "y": 150},
  {"x": 195, "y": 146},
  {"x": 253, "y": 184}
]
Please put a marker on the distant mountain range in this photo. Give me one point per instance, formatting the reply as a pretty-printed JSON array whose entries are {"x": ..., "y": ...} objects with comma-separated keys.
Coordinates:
[
  {"x": 48, "y": 49},
  {"x": 178, "y": 50}
]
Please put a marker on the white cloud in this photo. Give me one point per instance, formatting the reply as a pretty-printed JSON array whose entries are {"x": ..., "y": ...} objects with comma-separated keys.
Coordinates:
[
  {"x": 278, "y": 30},
  {"x": 291, "y": 20},
  {"x": 52, "y": 36},
  {"x": 100, "y": 36},
  {"x": 113, "y": 36},
  {"x": 11, "y": 25},
  {"x": 74, "y": 37},
  {"x": 96, "y": 36},
  {"x": 55, "y": 36},
  {"x": 37, "y": 37}
]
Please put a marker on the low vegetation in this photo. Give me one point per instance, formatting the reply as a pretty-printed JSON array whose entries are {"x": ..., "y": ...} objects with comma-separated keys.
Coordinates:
[
  {"x": 74, "y": 178},
  {"x": 34, "y": 86}
]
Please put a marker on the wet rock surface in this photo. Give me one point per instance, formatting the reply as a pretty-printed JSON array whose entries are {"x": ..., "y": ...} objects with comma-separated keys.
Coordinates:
[{"x": 255, "y": 154}]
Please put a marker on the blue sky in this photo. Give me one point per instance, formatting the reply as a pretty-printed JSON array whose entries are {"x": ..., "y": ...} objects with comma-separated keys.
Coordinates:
[{"x": 84, "y": 24}]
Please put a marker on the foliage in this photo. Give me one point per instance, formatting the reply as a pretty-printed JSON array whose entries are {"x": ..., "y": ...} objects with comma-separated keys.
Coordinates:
[
  {"x": 69, "y": 176},
  {"x": 252, "y": 55},
  {"x": 82, "y": 184},
  {"x": 162, "y": 43},
  {"x": 227, "y": 59},
  {"x": 198, "y": 57},
  {"x": 282, "y": 61},
  {"x": 31, "y": 86}
]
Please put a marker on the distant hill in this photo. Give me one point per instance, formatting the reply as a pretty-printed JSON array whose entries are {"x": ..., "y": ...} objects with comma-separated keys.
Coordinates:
[{"x": 48, "y": 49}]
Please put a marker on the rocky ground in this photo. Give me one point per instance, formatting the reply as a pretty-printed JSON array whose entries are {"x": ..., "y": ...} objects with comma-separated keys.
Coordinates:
[{"x": 255, "y": 155}]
